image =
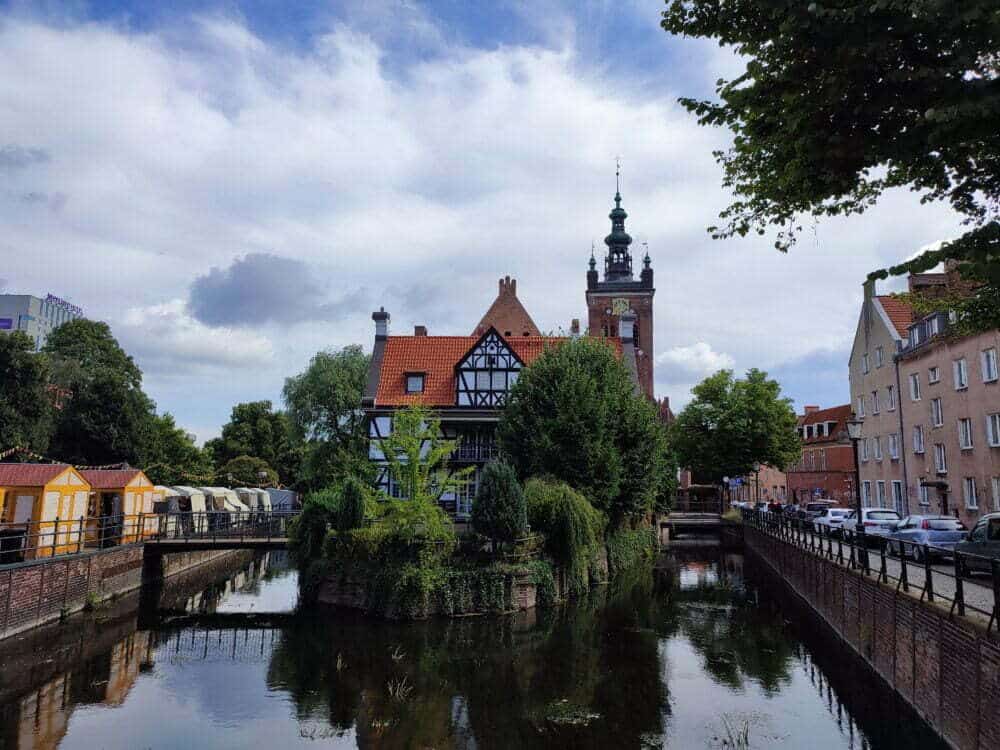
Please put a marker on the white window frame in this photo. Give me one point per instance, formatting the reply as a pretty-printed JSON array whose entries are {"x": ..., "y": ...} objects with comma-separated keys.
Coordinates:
[
  {"x": 960, "y": 371},
  {"x": 988, "y": 365},
  {"x": 893, "y": 446},
  {"x": 925, "y": 495},
  {"x": 918, "y": 438},
  {"x": 937, "y": 412},
  {"x": 864, "y": 449},
  {"x": 995, "y": 481},
  {"x": 877, "y": 447},
  {"x": 897, "y": 496},
  {"x": 934, "y": 374},
  {"x": 993, "y": 429},
  {"x": 890, "y": 393},
  {"x": 965, "y": 434},
  {"x": 879, "y": 356},
  {"x": 969, "y": 493},
  {"x": 940, "y": 458},
  {"x": 866, "y": 494},
  {"x": 880, "y": 492},
  {"x": 875, "y": 402},
  {"x": 865, "y": 365},
  {"x": 861, "y": 407},
  {"x": 914, "y": 386}
]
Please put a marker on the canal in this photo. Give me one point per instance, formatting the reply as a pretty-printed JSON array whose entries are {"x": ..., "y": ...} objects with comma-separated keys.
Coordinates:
[{"x": 696, "y": 653}]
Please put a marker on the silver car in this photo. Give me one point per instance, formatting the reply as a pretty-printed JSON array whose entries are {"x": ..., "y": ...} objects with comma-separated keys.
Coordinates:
[
  {"x": 933, "y": 535},
  {"x": 877, "y": 523}
]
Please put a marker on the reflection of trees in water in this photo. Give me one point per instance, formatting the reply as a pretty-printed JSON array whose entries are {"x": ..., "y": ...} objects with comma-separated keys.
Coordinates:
[
  {"x": 736, "y": 638},
  {"x": 517, "y": 681}
]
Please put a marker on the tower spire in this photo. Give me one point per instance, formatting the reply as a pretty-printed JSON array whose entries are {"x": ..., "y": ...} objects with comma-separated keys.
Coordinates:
[{"x": 618, "y": 263}]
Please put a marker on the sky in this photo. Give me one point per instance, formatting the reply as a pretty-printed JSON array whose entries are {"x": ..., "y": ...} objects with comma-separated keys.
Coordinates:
[{"x": 236, "y": 186}]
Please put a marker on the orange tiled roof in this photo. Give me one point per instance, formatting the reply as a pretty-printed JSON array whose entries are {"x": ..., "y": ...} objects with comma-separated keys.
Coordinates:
[
  {"x": 29, "y": 475},
  {"x": 436, "y": 356},
  {"x": 838, "y": 414},
  {"x": 109, "y": 479},
  {"x": 900, "y": 314}
]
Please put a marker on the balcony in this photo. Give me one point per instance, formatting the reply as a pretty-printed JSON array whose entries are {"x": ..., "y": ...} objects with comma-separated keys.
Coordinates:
[{"x": 475, "y": 452}]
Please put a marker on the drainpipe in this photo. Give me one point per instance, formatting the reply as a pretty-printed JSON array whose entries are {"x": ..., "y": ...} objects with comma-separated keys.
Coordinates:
[{"x": 902, "y": 435}]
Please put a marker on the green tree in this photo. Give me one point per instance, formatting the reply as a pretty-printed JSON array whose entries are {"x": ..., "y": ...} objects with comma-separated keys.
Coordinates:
[
  {"x": 107, "y": 417},
  {"x": 27, "y": 416},
  {"x": 574, "y": 414},
  {"x": 730, "y": 424},
  {"x": 324, "y": 405},
  {"x": 499, "y": 511},
  {"x": 353, "y": 508},
  {"x": 255, "y": 429},
  {"x": 308, "y": 531},
  {"x": 173, "y": 458},
  {"x": 245, "y": 472},
  {"x": 842, "y": 100}
]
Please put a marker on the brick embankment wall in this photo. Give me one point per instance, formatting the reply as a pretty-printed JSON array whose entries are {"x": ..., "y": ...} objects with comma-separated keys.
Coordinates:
[
  {"x": 947, "y": 669},
  {"x": 36, "y": 593}
]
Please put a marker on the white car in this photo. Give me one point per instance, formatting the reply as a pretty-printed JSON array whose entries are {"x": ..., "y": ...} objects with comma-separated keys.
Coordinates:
[
  {"x": 830, "y": 519},
  {"x": 877, "y": 522}
]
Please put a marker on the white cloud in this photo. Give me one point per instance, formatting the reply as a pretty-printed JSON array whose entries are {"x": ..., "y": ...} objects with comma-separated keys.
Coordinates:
[
  {"x": 697, "y": 359},
  {"x": 419, "y": 181},
  {"x": 166, "y": 340}
]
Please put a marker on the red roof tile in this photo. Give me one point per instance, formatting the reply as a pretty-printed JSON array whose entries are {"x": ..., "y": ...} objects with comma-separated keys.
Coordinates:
[
  {"x": 900, "y": 314},
  {"x": 29, "y": 475},
  {"x": 436, "y": 357},
  {"x": 109, "y": 479}
]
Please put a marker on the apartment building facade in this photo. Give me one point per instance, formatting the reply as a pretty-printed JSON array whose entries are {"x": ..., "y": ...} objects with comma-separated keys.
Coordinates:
[
  {"x": 826, "y": 468},
  {"x": 931, "y": 435}
]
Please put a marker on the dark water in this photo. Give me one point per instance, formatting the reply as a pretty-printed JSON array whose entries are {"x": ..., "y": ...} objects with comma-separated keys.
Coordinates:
[{"x": 678, "y": 657}]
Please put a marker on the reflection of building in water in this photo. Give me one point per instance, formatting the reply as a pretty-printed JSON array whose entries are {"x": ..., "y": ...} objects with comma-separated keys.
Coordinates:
[
  {"x": 245, "y": 580},
  {"x": 38, "y": 720}
]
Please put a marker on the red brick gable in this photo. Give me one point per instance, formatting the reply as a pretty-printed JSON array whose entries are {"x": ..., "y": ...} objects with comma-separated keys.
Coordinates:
[
  {"x": 436, "y": 357},
  {"x": 507, "y": 315}
]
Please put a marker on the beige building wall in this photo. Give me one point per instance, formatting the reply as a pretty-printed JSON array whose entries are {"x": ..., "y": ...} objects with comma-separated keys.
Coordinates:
[
  {"x": 977, "y": 401},
  {"x": 873, "y": 378}
]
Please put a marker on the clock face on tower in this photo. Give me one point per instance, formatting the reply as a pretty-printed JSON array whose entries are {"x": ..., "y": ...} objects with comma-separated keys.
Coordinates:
[{"x": 619, "y": 306}]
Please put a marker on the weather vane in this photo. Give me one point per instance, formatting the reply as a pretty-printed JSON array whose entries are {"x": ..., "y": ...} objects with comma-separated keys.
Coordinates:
[{"x": 618, "y": 171}]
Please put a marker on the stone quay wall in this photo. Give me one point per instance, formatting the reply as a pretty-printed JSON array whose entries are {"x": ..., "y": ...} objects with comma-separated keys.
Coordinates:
[
  {"x": 947, "y": 669},
  {"x": 38, "y": 592}
]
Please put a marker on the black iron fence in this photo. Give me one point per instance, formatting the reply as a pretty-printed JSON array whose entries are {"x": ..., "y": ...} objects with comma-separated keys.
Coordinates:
[
  {"x": 40, "y": 540},
  {"x": 967, "y": 582}
]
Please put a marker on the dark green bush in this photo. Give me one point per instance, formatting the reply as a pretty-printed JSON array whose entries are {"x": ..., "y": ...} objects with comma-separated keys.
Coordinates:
[
  {"x": 628, "y": 547},
  {"x": 499, "y": 511},
  {"x": 352, "y": 508},
  {"x": 308, "y": 532}
]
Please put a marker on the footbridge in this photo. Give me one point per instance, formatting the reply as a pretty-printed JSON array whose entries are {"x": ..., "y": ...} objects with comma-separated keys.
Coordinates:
[{"x": 218, "y": 530}]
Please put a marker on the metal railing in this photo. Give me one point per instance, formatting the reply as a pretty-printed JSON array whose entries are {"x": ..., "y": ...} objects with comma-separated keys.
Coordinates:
[
  {"x": 37, "y": 540},
  {"x": 224, "y": 524},
  {"x": 475, "y": 452},
  {"x": 912, "y": 571}
]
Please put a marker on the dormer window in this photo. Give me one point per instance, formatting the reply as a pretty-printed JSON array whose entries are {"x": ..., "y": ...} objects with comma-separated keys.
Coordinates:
[{"x": 415, "y": 382}]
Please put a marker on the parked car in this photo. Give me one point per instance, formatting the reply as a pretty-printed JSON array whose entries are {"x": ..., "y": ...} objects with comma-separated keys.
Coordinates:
[
  {"x": 762, "y": 506},
  {"x": 934, "y": 535},
  {"x": 983, "y": 542},
  {"x": 812, "y": 509},
  {"x": 830, "y": 520},
  {"x": 877, "y": 522}
]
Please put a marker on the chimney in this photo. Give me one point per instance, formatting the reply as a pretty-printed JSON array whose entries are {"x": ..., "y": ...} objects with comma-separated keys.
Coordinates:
[
  {"x": 626, "y": 327},
  {"x": 574, "y": 327},
  {"x": 508, "y": 286},
  {"x": 381, "y": 318},
  {"x": 869, "y": 287},
  {"x": 419, "y": 330},
  {"x": 811, "y": 409}
]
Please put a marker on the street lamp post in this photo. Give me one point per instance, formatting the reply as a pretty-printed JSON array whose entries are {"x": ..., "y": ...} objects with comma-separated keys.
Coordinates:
[
  {"x": 854, "y": 433},
  {"x": 262, "y": 476},
  {"x": 756, "y": 482}
]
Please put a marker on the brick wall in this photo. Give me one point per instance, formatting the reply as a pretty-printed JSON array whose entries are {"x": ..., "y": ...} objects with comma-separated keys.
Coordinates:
[
  {"x": 40, "y": 592},
  {"x": 947, "y": 669}
]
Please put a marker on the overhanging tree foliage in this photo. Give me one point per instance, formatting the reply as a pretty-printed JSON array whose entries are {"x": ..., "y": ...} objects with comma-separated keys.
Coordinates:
[
  {"x": 730, "y": 424},
  {"x": 574, "y": 415},
  {"x": 843, "y": 99}
]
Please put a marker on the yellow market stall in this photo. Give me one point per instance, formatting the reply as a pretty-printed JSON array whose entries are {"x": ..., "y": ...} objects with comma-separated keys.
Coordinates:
[
  {"x": 36, "y": 497},
  {"x": 122, "y": 502}
]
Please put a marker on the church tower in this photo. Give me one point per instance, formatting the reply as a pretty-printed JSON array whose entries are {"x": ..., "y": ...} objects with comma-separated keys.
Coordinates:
[{"x": 619, "y": 293}]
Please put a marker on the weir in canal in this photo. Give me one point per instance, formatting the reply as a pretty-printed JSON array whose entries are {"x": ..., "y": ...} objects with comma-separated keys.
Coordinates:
[{"x": 688, "y": 654}]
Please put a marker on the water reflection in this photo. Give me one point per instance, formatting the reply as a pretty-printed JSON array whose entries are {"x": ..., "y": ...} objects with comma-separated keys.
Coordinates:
[{"x": 664, "y": 658}]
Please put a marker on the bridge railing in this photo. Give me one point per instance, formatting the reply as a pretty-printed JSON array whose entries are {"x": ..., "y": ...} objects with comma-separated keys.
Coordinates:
[
  {"x": 912, "y": 570},
  {"x": 224, "y": 524},
  {"x": 30, "y": 541},
  {"x": 684, "y": 504}
]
